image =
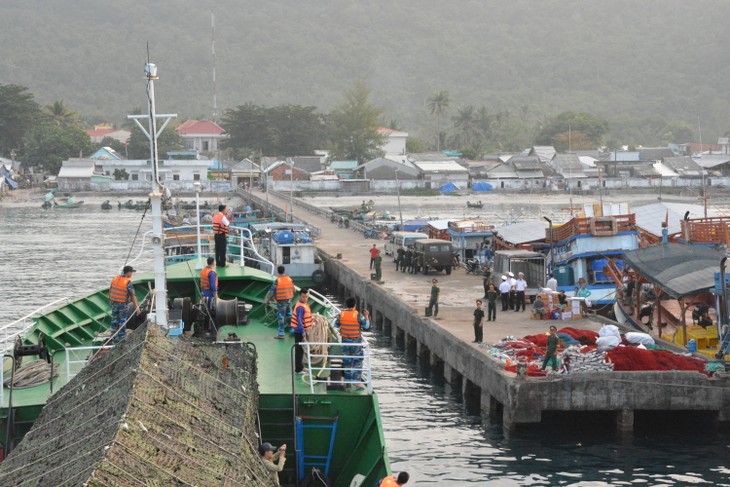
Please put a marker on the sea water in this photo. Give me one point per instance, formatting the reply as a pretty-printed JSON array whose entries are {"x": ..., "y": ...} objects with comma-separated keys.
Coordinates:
[{"x": 429, "y": 431}]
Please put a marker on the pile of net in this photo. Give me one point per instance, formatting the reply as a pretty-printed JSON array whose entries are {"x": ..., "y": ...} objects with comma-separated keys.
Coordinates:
[{"x": 590, "y": 351}]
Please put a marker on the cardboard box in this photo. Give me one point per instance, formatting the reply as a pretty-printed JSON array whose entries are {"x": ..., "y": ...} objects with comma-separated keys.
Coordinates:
[
  {"x": 566, "y": 316},
  {"x": 577, "y": 316}
]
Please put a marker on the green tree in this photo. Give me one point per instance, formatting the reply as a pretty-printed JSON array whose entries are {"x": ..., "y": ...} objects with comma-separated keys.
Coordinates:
[
  {"x": 284, "y": 130},
  {"x": 121, "y": 174},
  {"x": 591, "y": 127},
  {"x": 62, "y": 115},
  {"x": 18, "y": 114},
  {"x": 113, "y": 143},
  {"x": 139, "y": 145},
  {"x": 438, "y": 105},
  {"x": 47, "y": 145},
  {"x": 353, "y": 126}
]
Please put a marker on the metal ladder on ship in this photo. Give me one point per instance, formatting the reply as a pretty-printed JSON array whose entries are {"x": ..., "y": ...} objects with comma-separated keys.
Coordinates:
[{"x": 305, "y": 460}]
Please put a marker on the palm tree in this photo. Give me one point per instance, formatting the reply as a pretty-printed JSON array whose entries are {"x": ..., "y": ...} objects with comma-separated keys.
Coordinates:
[
  {"x": 465, "y": 123},
  {"x": 438, "y": 104},
  {"x": 61, "y": 114}
]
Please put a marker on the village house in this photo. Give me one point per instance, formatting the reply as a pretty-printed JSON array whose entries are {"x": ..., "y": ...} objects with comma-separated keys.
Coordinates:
[
  {"x": 203, "y": 136},
  {"x": 395, "y": 141},
  {"x": 102, "y": 131}
]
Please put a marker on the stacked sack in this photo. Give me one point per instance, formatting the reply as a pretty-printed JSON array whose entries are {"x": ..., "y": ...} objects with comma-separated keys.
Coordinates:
[
  {"x": 608, "y": 337},
  {"x": 591, "y": 361}
]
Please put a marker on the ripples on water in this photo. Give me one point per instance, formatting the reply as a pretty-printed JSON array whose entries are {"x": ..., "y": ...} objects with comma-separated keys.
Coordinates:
[{"x": 429, "y": 432}]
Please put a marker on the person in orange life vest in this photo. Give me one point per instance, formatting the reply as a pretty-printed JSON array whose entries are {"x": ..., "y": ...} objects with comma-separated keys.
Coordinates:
[
  {"x": 350, "y": 323},
  {"x": 373, "y": 253},
  {"x": 121, "y": 292},
  {"x": 283, "y": 291},
  {"x": 220, "y": 235},
  {"x": 301, "y": 323},
  {"x": 401, "y": 479},
  {"x": 209, "y": 283}
]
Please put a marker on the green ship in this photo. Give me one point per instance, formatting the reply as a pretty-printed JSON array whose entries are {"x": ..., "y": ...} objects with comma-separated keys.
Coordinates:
[{"x": 332, "y": 428}]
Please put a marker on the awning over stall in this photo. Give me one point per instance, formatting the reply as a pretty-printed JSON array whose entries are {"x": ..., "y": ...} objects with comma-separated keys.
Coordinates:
[{"x": 680, "y": 270}]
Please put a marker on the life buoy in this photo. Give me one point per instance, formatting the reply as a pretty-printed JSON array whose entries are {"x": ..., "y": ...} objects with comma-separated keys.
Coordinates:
[{"x": 318, "y": 277}]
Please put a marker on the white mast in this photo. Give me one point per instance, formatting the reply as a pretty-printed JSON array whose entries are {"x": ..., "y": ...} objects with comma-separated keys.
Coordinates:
[{"x": 158, "y": 190}]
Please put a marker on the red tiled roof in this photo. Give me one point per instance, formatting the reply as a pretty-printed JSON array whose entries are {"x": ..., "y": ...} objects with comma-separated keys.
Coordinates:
[
  {"x": 199, "y": 127},
  {"x": 99, "y": 132}
]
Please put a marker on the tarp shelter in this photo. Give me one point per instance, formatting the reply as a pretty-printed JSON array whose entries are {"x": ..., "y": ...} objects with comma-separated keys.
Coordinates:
[
  {"x": 680, "y": 270},
  {"x": 448, "y": 188},
  {"x": 481, "y": 187},
  {"x": 6, "y": 175}
]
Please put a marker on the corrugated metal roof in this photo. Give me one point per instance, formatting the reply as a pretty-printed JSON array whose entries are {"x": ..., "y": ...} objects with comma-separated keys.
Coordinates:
[
  {"x": 684, "y": 166},
  {"x": 441, "y": 224},
  {"x": 709, "y": 161},
  {"x": 650, "y": 217},
  {"x": 664, "y": 171},
  {"x": 523, "y": 232},
  {"x": 440, "y": 166}
]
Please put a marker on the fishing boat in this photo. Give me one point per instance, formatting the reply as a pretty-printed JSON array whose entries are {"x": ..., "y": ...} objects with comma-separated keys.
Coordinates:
[
  {"x": 678, "y": 290},
  {"x": 583, "y": 247},
  {"x": 106, "y": 205},
  {"x": 332, "y": 425},
  {"x": 476, "y": 204}
]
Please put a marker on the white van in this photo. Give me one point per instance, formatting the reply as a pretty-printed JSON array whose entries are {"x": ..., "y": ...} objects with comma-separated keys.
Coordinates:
[{"x": 401, "y": 239}]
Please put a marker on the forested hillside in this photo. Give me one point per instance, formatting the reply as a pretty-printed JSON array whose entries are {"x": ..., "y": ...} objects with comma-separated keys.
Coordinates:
[{"x": 624, "y": 60}]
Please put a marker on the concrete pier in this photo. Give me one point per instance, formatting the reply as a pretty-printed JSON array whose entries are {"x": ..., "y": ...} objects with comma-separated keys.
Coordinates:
[{"x": 397, "y": 308}]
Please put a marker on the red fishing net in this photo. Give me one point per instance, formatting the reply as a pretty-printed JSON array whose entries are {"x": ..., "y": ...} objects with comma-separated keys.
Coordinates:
[{"x": 630, "y": 358}]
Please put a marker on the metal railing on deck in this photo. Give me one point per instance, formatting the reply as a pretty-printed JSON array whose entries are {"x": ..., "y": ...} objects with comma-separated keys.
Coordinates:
[
  {"x": 365, "y": 371},
  {"x": 239, "y": 238},
  {"x": 17, "y": 328}
]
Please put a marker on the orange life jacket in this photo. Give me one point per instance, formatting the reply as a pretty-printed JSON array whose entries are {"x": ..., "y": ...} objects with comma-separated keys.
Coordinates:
[
  {"x": 205, "y": 279},
  {"x": 307, "y": 321},
  {"x": 349, "y": 326},
  {"x": 284, "y": 288},
  {"x": 389, "y": 482},
  {"x": 218, "y": 226},
  {"x": 118, "y": 292}
]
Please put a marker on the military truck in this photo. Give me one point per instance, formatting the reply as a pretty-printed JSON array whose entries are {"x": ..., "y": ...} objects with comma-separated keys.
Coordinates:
[{"x": 433, "y": 253}]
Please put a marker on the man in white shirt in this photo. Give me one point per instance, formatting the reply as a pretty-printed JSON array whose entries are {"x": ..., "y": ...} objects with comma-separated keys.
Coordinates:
[
  {"x": 504, "y": 289},
  {"x": 520, "y": 286},
  {"x": 512, "y": 292},
  {"x": 552, "y": 283}
]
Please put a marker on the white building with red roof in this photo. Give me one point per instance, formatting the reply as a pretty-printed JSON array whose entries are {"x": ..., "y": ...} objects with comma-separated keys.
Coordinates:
[
  {"x": 201, "y": 135},
  {"x": 395, "y": 141}
]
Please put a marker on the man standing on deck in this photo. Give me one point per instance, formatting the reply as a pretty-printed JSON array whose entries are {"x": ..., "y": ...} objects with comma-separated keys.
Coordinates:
[
  {"x": 552, "y": 349},
  {"x": 504, "y": 293},
  {"x": 301, "y": 323},
  {"x": 283, "y": 291},
  {"x": 433, "y": 302},
  {"x": 209, "y": 283},
  {"x": 487, "y": 278},
  {"x": 220, "y": 235},
  {"x": 373, "y": 253},
  {"x": 351, "y": 323},
  {"x": 378, "y": 262},
  {"x": 520, "y": 287},
  {"x": 120, "y": 293}
]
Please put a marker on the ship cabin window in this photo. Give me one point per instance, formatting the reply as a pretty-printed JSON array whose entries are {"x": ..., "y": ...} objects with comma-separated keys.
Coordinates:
[
  {"x": 196, "y": 177},
  {"x": 286, "y": 255},
  {"x": 176, "y": 177}
]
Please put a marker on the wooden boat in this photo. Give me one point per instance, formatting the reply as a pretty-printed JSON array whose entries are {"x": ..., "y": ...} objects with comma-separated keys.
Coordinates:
[{"x": 477, "y": 204}]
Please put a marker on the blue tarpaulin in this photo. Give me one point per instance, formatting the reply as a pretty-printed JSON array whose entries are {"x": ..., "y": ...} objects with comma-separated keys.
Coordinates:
[
  {"x": 6, "y": 174},
  {"x": 448, "y": 188},
  {"x": 480, "y": 187}
]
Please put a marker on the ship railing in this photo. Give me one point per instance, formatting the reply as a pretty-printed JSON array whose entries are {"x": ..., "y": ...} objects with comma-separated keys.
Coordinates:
[
  {"x": 238, "y": 236},
  {"x": 75, "y": 362},
  {"x": 19, "y": 327},
  {"x": 325, "y": 358},
  {"x": 332, "y": 310}
]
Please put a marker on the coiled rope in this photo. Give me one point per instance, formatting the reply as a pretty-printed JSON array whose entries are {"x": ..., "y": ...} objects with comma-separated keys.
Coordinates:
[{"x": 33, "y": 374}]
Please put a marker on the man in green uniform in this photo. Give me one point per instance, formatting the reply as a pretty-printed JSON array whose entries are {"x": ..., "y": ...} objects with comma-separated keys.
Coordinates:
[
  {"x": 433, "y": 303},
  {"x": 377, "y": 262},
  {"x": 552, "y": 348}
]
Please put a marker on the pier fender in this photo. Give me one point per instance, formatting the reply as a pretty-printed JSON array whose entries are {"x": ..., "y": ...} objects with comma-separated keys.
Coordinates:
[{"x": 318, "y": 277}]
